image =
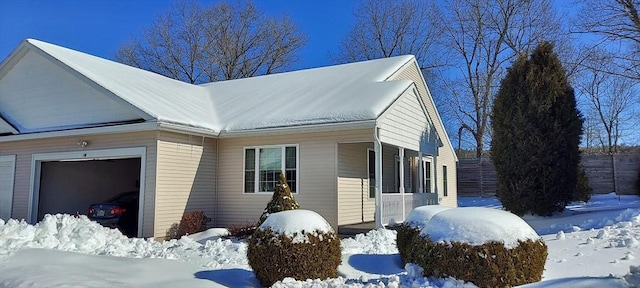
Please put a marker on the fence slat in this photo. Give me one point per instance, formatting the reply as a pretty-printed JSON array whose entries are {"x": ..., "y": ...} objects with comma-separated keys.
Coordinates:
[{"x": 597, "y": 167}]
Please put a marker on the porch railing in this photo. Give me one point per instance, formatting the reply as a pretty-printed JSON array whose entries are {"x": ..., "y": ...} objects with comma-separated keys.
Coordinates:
[{"x": 395, "y": 210}]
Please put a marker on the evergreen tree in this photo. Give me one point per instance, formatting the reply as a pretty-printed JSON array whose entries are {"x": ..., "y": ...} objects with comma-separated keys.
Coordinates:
[
  {"x": 281, "y": 200},
  {"x": 537, "y": 130}
]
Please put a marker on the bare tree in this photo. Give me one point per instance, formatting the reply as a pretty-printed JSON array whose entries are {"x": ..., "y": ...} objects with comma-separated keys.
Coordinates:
[
  {"x": 616, "y": 24},
  {"x": 610, "y": 97},
  {"x": 483, "y": 37},
  {"x": 197, "y": 44},
  {"x": 391, "y": 28}
]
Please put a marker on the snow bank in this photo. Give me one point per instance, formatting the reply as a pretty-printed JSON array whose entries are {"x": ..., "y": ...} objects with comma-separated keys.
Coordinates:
[
  {"x": 79, "y": 234},
  {"x": 295, "y": 223},
  {"x": 419, "y": 216},
  {"x": 477, "y": 226}
]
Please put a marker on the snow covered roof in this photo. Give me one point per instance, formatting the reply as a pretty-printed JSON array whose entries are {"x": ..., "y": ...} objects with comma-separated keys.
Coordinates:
[
  {"x": 335, "y": 94},
  {"x": 162, "y": 98},
  {"x": 343, "y": 93}
]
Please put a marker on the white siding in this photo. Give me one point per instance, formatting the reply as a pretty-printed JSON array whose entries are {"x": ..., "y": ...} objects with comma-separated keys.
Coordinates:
[
  {"x": 354, "y": 204},
  {"x": 24, "y": 151},
  {"x": 405, "y": 125},
  {"x": 446, "y": 154},
  {"x": 186, "y": 178},
  {"x": 56, "y": 97},
  {"x": 7, "y": 174},
  {"x": 318, "y": 175}
]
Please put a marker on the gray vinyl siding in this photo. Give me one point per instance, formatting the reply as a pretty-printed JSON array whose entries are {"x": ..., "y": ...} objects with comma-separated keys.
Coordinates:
[
  {"x": 186, "y": 178},
  {"x": 24, "y": 151},
  {"x": 405, "y": 125},
  {"x": 317, "y": 174},
  {"x": 354, "y": 204},
  {"x": 76, "y": 102},
  {"x": 446, "y": 154}
]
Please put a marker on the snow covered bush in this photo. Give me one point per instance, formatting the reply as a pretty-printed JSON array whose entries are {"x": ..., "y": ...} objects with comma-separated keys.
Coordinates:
[
  {"x": 409, "y": 231},
  {"x": 489, "y": 247},
  {"x": 296, "y": 243},
  {"x": 281, "y": 200}
]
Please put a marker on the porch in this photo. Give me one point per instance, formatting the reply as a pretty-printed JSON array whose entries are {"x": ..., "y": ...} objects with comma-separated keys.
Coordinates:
[{"x": 380, "y": 187}]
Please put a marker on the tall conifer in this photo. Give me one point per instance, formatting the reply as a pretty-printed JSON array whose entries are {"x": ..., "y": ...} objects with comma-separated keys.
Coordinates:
[{"x": 537, "y": 129}]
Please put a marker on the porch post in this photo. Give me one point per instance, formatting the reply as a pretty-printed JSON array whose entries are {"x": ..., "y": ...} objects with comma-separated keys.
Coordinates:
[
  {"x": 377, "y": 146},
  {"x": 401, "y": 175},
  {"x": 420, "y": 173}
]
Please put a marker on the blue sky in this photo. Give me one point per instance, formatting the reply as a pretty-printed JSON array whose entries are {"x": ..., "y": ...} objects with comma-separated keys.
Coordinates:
[{"x": 99, "y": 27}]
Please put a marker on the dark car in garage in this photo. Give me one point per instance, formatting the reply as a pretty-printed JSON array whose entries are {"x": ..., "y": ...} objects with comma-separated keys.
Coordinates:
[{"x": 120, "y": 211}]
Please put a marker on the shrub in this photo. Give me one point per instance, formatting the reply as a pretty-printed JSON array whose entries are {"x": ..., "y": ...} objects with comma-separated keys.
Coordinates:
[
  {"x": 405, "y": 239},
  {"x": 281, "y": 200},
  {"x": 192, "y": 222},
  {"x": 489, "y": 247},
  {"x": 242, "y": 231},
  {"x": 536, "y": 133},
  {"x": 409, "y": 231},
  {"x": 487, "y": 265},
  {"x": 583, "y": 190},
  {"x": 274, "y": 255}
]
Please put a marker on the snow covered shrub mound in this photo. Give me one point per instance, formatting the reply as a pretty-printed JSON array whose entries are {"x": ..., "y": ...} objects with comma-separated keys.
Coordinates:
[
  {"x": 489, "y": 247},
  {"x": 298, "y": 244},
  {"x": 409, "y": 231}
]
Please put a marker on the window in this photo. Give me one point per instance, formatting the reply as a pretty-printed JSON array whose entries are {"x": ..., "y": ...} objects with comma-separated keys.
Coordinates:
[
  {"x": 262, "y": 167},
  {"x": 409, "y": 171},
  {"x": 372, "y": 173},
  {"x": 426, "y": 168},
  {"x": 444, "y": 181}
]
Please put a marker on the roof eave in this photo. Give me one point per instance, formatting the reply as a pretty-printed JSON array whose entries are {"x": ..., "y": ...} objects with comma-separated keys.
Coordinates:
[{"x": 312, "y": 128}]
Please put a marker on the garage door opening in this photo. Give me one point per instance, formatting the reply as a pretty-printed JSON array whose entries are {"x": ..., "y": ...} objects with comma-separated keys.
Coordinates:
[{"x": 68, "y": 184}]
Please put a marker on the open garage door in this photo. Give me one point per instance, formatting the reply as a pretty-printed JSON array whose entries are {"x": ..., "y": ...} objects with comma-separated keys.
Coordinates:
[{"x": 70, "y": 182}]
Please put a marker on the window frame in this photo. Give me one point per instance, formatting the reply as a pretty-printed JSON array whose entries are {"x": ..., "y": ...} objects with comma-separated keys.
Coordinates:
[
  {"x": 445, "y": 182},
  {"x": 427, "y": 176},
  {"x": 256, "y": 175}
]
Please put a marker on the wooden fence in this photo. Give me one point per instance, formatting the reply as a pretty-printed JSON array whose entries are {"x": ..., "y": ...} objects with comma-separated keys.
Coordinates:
[{"x": 477, "y": 177}]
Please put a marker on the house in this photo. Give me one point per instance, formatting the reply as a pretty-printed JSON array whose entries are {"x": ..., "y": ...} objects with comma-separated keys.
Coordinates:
[{"x": 358, "y": 142}]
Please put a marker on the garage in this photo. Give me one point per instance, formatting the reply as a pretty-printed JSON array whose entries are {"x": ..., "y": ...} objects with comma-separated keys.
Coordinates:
[{"x": 70, "y": 182}]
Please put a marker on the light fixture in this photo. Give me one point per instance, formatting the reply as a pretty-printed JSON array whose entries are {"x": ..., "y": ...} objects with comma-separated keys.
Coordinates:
[{"x": 83, "y": 143}]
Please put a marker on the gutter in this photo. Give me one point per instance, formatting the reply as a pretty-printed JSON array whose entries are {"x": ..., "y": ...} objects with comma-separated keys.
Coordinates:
[
  {"x": 113, "y": 129},
  {"x": 327, "y": 127}
]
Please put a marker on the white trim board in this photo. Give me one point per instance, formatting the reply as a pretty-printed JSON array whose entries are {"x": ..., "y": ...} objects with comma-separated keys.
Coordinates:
[{"x": 6, "y": 188}]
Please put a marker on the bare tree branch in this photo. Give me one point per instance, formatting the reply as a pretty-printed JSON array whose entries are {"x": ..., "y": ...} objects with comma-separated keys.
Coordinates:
[
  {"x": 199, "y": 44},
  {"x": 485, "y": 36}
]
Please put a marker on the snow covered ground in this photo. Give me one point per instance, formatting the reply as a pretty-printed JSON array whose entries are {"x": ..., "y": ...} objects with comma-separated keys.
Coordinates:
[{"x": 591, "y": 244}]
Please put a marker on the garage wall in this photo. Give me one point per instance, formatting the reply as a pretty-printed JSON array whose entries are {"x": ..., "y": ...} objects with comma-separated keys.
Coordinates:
[
  {"x": 24, "y": 151},
  {"x": 70, "y": 187},
  {"x": 186, "y": 178}
]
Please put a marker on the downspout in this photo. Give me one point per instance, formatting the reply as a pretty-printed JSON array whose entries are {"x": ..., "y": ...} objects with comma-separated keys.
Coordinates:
[
  {"x": 377, "y": 146},
  {"x": 217, "y": 177}
]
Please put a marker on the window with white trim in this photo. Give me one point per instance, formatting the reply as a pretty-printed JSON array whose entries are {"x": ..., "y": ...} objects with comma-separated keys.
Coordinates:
[{"x": 262, "y": 167}]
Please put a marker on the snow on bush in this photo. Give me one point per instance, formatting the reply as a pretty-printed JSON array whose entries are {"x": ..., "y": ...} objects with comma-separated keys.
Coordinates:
[
  {"x": 299, "y": 244},
  {"x": 294, "y": 224},
  {"x": 419, "y": 216},
  {"x": 477, "y": 226}
]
